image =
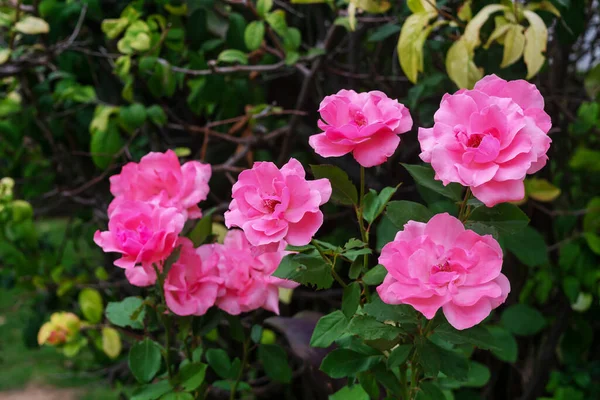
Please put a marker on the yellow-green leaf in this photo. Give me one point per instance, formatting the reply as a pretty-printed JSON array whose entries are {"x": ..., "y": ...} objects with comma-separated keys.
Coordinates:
[
  {"x": 111, "y": 342},
  {"x": 464, "y": 12},
  {"x": 543, "y": 5},
  {"x": 514, "y": 43},
  {"x": 460, "y": 65},
  {"x": 352, "y": 16},
  {"x": 4, "y": 55},
  {"x": 418, "y": 6},
  {"x": 502, "y": 26},
  {"x": 112, "y": 28},
  {"x": 410, "y": 44},
  {"x": 372, "y": 6},
  {"x": 32, "y": 26},
  {"x": 471, "y": 35},
  {"x": 541, "y": 189},
  {"x": 536, "y": 39},
  {"x": 179, "y": 10}
]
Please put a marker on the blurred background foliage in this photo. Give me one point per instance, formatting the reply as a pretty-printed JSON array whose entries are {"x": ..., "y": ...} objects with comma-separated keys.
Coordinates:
[{"x": 87, "y": 86}]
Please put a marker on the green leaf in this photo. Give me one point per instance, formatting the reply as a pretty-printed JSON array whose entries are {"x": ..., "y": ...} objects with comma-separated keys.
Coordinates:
[
  {"x": 453, "y": 364},
  {"x": 430, "y": 391},
  {"x": 399, "y": 355},
  {"x": 4, "y": 55},
  {"x": 369, "y": 328},
  {"x": 254, "y": 35},
  {"x": 275, "y": 362},
  {"x": 276, "y": 20},
  {"x": 92, "y": 307},
  {"x": 263, "y": 7},
  {"x": 479, "y": 375},
  {"x": 128, "y": 312},
  {"x": 351, "y": 299},
  {"x": 32, "y": 25},
  {"x": 541, "y": 190},
  {"x": 132, "y": 117},
  {"x": 506, "y": 218},
  {"x": 111, "y": 342},
  {"x": 152, "y": 392},
  {"x": 502, "y": 25},
  {"x": 144, "y": 360},
  {"x": 256, "y": 333},
  {"x": 536, "y": 39},
  {"x": 410, "y": 43},
  {"x": 343, "y": 190},
  {"x": 523, "y": 320},
  {"x": 400, "y": 212},
  {"x": 328, "y": 329},
  {"x": 157, "y": 115},
  {"x": 375, "y": 275},
  {"x": 529, "y": 247},
  {"x": 203, "y": 229},
  {"x": 585, "y": 159},
  {"x": 308, "y": 269},
  {"x": 342, "y": 362},
  {"x": 192, "y": 376},
  {"x": 355, "y": 392},
  {"x": 423, "y": 175},
  {"x": 219, "y": 361},
  {"x": 402, "y": 313},
  {"x": 592, "y": 82},
  {"x": 383, "y": 32},
  {"x": 292, "y": 39},
  {"x": 428, "y": 357},
  {"x": 476, "y": 336},
  {"x": 233, "y": 56},
  {"x": 105, "y": 145},
  {"x": 507, "y": 347},
  {"x": 374, "y": 204},
  {"x": 368, "y": 381},
  {"x": 177, "y": 396}
]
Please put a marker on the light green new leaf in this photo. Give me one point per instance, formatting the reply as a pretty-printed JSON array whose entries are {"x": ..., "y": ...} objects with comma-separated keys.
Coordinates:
[
  {"x": 541, "y": 190},
  {"x": 112, "y": 28},
  {"x": 372, "y": 6},
  {"x": 4, "y": 55},
  {"x": 254, "y": 34},
  {"x": 543, "y": 5},
  {"x": 111, "y": 342},
  {"x": 410, "y": 44},
  {"x": 32, "y": 26},
  {"x": 233, "y": 56},
  {"x": 536, "y": 38},
  {"x": 92, "y": 307},
  {"x": 514, "y": 44}
]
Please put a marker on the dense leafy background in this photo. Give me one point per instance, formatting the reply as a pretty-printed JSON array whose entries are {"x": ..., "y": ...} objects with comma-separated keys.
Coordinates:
[{"x": 88, "y": 86}]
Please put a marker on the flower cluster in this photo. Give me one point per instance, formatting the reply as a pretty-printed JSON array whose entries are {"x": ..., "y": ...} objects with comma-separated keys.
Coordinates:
[{"x": 153, "y": 200}]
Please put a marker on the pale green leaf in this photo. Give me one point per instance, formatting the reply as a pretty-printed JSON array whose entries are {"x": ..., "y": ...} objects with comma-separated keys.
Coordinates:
[
  {"x": 32, "y": 26},
  {"x": 111, "y": 342},
  {"x": 514, "y": 43},
  {"x": 543, "y": 5},
  {"x": 460, "y": 65},
  {"x": 502, "y": 26},
  {"x": 410, "y": 44},
  {"x": 471, "y": 35},
  {"x": 536, "y": 39},
  {"x": 233, "y": 56}
]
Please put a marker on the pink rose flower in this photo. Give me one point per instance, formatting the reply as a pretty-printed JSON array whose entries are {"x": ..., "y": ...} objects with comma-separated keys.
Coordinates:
[
  {"x": 489, "y": 138},
  {"x": 271, "y": 205},
  {"x": 191, "y": 286},
  {"x": 247, "y": 283},
  {"x": 159, "y": 179},
  {"x": 142, "y": 275},
  {"x": 440, "y": 264},
  {"x": 364, "y": 124},
  {"x": 143, "y": 233}
]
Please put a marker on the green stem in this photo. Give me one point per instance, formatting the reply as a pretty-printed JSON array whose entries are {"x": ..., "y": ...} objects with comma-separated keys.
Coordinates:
[
  {"x": 165, "y": 320},
  {"x": 241, "y": 373},
  {"x": 404, "y": 382},
  {"x": 336, "y": 276},
  {"x": 463, "y": 206}
]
